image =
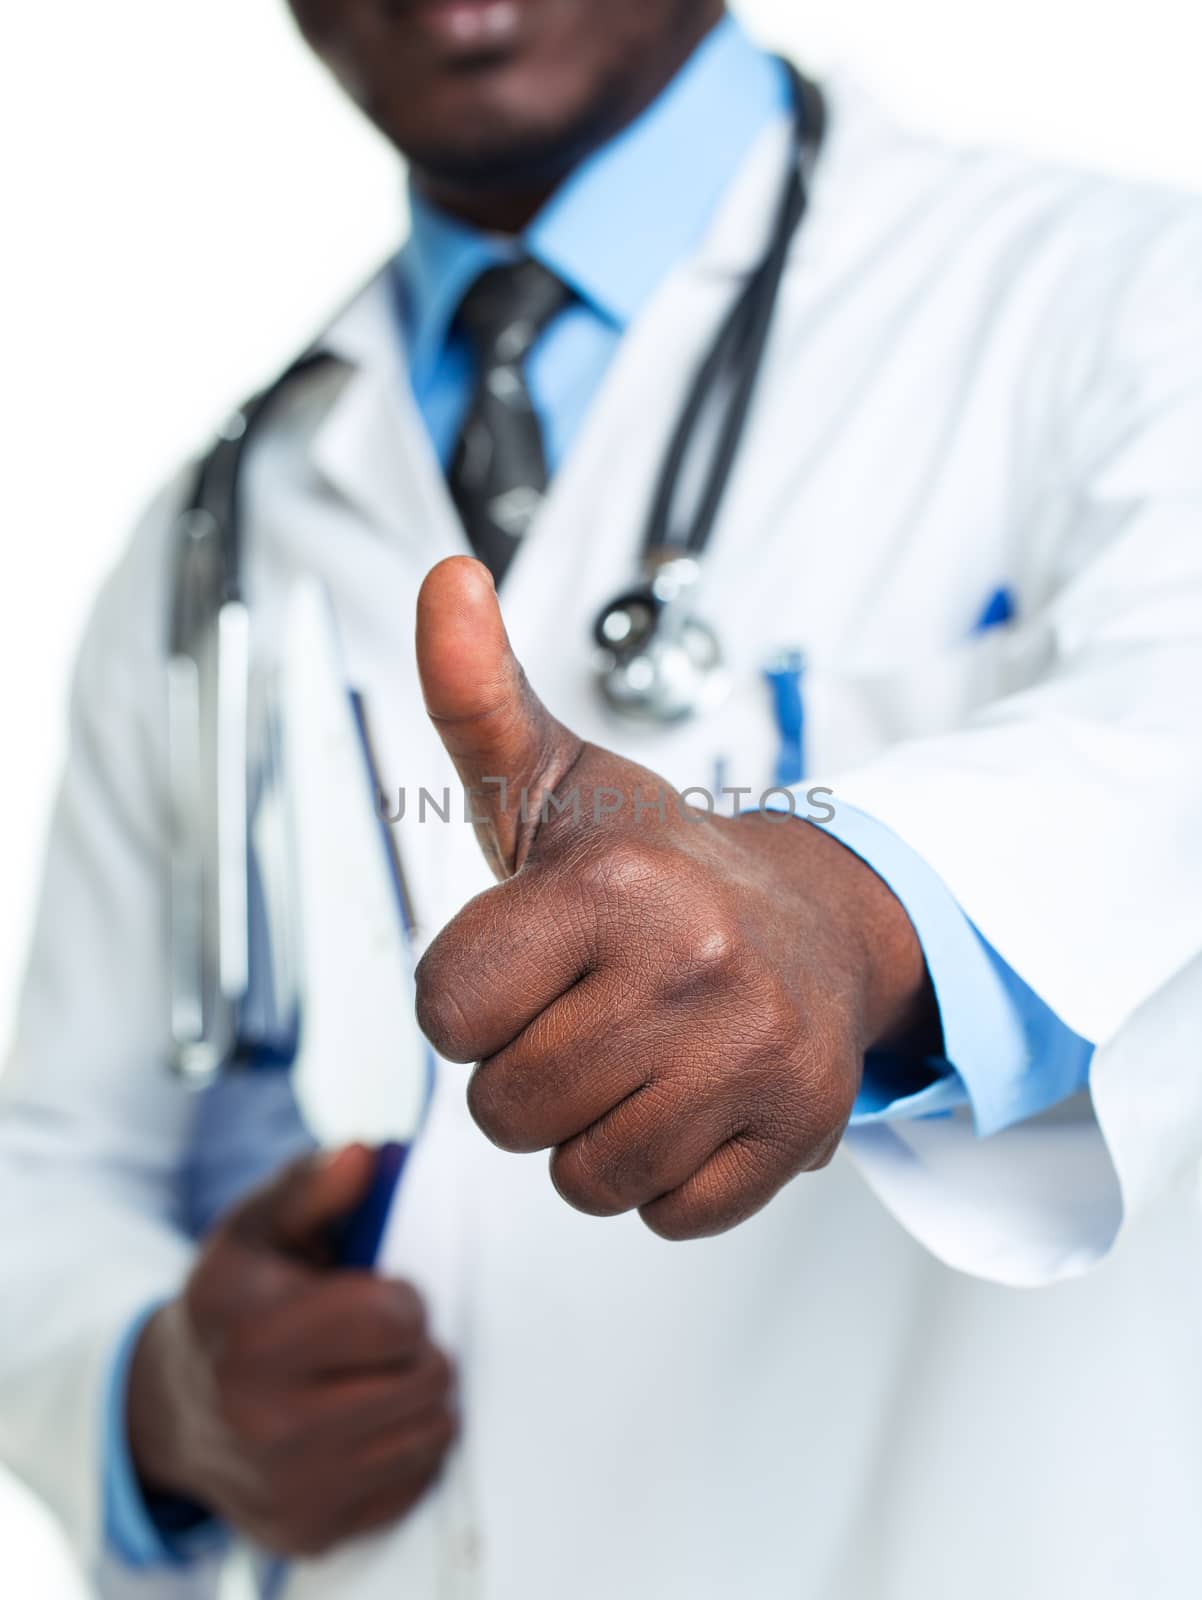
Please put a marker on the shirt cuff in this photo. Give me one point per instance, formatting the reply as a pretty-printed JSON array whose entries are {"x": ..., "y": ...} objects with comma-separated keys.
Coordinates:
[
  {"x": 136, "y": 1535},
  {"x": 1006, "y": 1053}
]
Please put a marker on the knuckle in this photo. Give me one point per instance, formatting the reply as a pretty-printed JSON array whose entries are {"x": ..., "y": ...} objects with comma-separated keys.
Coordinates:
[
  {"x": 824, "y": 1145},
  {"x": 676, "y": 1221},
  {"x": 391, "y": 1314},
  {"x": 778, "y": 1020},
  {"x": 586, "y": 1179},
  {"x": 733, "y": 1185},
  {"x": 498, "y": 1108},
  {"x": 840, "y": 1112},
  {"x": 383, "y": 1325},
  {"x": 296, "y": 1523},
  {"x": 437, "y": 1436},
  {"x": 407, "y": 1307},
  {"x": 443, "y": 1433},
  {"x": 822, "y": 1156},
  {"x": 383, "y": 1320},
  {"x": 709, "y": 953},
  {"x": 429, "y": 1439},
  {"x": 627, "y": 868},
  {"x": 441, "y": 1014},
  {"x": 823, "y": 1083},
  {"x": 308, "y": 1540},
  {"x": 440, "y": 1374}
]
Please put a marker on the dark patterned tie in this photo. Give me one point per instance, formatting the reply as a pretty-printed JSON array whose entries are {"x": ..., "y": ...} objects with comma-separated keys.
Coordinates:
[{"x": 498, "y": 472}]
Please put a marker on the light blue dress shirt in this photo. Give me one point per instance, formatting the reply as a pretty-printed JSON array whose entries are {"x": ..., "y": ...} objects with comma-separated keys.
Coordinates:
[{"x": 625, "y": 218}]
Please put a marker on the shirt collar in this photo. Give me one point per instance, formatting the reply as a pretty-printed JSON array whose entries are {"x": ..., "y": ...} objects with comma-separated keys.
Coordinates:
[
  {"x": 628, "y": 215},
  {"x": 440, "y": 260}
]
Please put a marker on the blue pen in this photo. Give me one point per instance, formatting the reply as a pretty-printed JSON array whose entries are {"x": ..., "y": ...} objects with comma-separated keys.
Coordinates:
[
  {"x": 784, "y": 675},
  {"x": 359, "y": 1242},
  {"x": 999, "y": 610}
]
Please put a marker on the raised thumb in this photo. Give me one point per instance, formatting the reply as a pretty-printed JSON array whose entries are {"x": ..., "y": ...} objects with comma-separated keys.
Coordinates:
[{"x": 508, "y": 749}]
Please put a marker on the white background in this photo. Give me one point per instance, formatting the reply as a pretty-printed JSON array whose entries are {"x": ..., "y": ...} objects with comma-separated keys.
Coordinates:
[{"x": 185, "y": 195}]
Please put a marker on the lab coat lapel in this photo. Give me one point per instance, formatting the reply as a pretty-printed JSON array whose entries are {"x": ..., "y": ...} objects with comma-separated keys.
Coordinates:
[{"x": 372, "y": 447}]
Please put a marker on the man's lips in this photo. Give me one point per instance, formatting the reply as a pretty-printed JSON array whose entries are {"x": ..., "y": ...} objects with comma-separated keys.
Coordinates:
[{"x": 467, "y": 26}]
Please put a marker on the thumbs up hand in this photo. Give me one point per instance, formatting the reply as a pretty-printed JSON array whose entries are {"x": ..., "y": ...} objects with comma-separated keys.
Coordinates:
[{"x": 676, "y": 1004}]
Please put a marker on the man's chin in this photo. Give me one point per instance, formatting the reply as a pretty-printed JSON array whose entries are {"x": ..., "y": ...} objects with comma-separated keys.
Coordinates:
[
  {"x": 484, "y": 136},
  {"x": 505, "y": 164}
]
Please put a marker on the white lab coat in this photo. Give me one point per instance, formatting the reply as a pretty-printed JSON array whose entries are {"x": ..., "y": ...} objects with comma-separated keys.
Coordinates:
[{"x": 944, "y": 1366}]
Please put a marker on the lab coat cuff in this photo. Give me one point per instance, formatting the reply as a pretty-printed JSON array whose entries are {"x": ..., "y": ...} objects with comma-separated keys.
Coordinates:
[
  {"x": 1007, "y": 1053},
  {"x": 132, "y": 1532}
]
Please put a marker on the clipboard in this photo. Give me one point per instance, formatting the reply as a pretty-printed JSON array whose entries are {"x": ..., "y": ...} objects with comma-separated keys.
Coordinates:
[{"x": 363, "y": 1072}]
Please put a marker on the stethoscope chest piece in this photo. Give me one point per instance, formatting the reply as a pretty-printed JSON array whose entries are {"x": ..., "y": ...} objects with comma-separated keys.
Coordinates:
[{"x": 657, "y": 661}]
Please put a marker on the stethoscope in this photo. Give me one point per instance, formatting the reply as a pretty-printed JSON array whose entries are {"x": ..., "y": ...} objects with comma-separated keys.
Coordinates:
[{"x": 657, "y": 660}]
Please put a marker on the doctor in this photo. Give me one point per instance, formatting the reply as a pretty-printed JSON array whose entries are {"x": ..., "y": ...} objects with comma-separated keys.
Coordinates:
[{"x": 918, "y": 1082}]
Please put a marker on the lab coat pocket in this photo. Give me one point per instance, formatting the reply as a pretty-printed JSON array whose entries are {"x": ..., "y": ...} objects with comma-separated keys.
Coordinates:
[{"x": 852, "y": 716}]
